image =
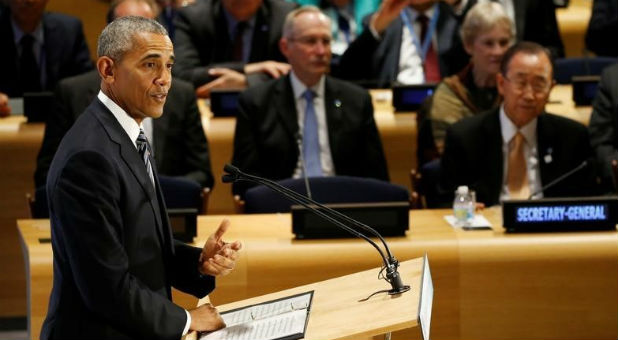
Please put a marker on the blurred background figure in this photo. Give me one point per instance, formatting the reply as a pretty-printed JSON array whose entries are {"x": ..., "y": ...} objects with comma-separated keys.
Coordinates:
[
  {"x": 39, "y": 48},
  {"x": 229, "y": 44},
  {"x": 487, "y": 32},
  {"x": 406, "y": 42},
  {"x": 179, "y": 144},
  {"x": 602, "y": 26},
  {"x": 535, "y": 20},
  {"x": 329, "y": 119},
  {"x": 169, "y": 8}
]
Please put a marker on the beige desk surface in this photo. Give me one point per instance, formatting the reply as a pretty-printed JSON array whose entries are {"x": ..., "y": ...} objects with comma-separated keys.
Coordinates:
[{"x": 488, "y": 285}]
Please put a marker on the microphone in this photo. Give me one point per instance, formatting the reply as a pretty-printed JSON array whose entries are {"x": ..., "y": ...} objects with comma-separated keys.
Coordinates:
[
  {"x": 561, "y": 178},
  {"x": 391, "y": 264},
  {"x": 299, "y": 142}
]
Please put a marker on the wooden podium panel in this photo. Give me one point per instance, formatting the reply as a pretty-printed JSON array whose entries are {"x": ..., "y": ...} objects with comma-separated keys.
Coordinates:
[{"x": 336, "y": 312}]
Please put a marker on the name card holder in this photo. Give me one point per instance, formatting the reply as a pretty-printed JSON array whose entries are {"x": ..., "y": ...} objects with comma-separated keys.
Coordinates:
[{"x": 560, "y": 214}]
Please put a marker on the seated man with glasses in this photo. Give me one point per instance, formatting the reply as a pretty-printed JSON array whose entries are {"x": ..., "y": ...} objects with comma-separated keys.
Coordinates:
[
  {"x": 329, "y": 120},
  {"x": 513, "y": 151}
]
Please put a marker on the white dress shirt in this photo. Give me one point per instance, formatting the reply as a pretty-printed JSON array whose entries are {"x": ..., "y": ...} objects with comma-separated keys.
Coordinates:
[
  {"x": 130, "y": 126},
  {"x": 410, "y": 62},
  {"x": 298, "y": 88},
  {"x": 531, "y": 154}
]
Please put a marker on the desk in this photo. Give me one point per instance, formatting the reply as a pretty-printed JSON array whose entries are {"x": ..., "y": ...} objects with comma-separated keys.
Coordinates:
[{"x": 488, "y": 285}]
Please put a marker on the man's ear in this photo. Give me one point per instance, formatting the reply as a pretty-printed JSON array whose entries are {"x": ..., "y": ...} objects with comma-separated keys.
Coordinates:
[
  {"x": 283, "y": 46},
  {"x": 500, "y": 83},
  {"x": 105, "y": 66}
]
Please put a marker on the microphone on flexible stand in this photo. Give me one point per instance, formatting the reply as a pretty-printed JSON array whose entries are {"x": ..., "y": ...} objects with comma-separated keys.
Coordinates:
[
  {"x": 299, "y": 142},
  {"x": 561, "y": 178},
  {"x": 391, "y": 264}
]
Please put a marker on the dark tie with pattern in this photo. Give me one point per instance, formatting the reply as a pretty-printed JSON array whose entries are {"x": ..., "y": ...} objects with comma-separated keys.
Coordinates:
[
  {"x": 30, "y": 76},
  {"x": 239, "y": 46},
  {"x": 430, "y": 64},
  {"x": 145, "y": 152}
]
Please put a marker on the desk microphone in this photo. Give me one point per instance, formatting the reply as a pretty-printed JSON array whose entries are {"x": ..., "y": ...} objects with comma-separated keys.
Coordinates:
[
  {"x": 561, "y": 178},
  {"x": 299, "y": 142},
  {"x": 391, "y": 264}
]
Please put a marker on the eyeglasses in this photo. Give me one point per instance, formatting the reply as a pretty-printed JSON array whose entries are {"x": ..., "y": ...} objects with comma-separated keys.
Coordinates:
[
  {"x": 520, "y": 85},
  {"x": 312, "y": 41}
]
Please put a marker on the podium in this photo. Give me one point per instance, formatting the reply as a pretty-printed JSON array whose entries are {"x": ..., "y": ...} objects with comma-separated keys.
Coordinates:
[{"x": 337, "y": 313}]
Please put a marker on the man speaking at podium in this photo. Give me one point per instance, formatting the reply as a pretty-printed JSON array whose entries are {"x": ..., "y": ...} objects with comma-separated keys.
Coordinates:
[{"x": 114, "y": 257}]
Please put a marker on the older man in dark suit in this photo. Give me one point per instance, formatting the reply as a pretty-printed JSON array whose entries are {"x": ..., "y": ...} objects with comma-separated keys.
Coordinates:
[
  {"x": 230, "y": 43},
  {"x": 179, "y": 144},
  {"x": 329, "y": 119},
  {"x": 513, "y": 151},
  {"x": 39, "y": 48},
  {"x": 114, "y": 257}
]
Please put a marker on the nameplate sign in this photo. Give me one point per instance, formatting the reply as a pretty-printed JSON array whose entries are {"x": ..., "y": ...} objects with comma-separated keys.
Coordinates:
[{"x": 560, "y": 214}]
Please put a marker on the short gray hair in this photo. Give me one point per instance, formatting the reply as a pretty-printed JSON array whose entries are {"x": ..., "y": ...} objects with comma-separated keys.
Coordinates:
[
  {"x": 483, "y": 17},
  {"x": 288, "y": 24},
  {"x": 117, "y": 38}
]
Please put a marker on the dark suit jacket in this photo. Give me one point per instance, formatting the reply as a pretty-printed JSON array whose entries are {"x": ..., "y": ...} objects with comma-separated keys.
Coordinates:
[
  {"x": 603, "y": 125},
  {"x": 265, "y": 144},
  {"x": 66, "y": 52},
  {"x": 202, "y": 41},
  {"x": 180, "y": 146},
  {"x": 535, "y": 20},
  {"x": 368, "y": 59},
  {"x": 473, "y": 156},
  {"x": 602, "y": 26},
  {"x": 114, "y": 257}
]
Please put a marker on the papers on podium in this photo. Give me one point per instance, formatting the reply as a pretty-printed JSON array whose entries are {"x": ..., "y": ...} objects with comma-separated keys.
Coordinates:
[{"x": 282, "y": 319}]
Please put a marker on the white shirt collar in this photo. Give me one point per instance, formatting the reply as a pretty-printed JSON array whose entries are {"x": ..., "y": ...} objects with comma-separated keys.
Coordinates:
[
  {"x": 299, "y": 88},
  {"x": 127, "y": 122},
  {"x": 509, "y": 129}
]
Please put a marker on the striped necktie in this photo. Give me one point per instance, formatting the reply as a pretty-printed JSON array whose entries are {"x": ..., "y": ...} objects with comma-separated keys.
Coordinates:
[{"x": 145, "y": 152}]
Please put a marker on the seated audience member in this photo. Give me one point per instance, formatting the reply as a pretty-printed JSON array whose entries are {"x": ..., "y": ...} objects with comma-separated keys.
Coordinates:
[
  {"x": 39, "y": 48},
  {"x": 603, "y": 125},
  {"x": 535, "y": 21},
  {"x": 487, "y": 32},
  {"x": 169, "y": 9},
  {"x": 331, "y": 120},
  {"x": 179, "y": 145},
  {"x": 346, "y": 19},
  {"x": 406, "y": 42},
  {"x": 229, "y": 43},
  {"x": 512, "y": 151},
  {"x": 602, "y": 26}
]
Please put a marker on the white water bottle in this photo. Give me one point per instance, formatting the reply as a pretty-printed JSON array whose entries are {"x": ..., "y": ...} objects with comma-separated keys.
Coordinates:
[{"x": 463, "y": 206}]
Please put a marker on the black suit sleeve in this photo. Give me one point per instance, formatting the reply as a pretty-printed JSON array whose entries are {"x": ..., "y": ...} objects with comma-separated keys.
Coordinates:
[
  {"x": 542, "y": 27},
  {"x": 356, "y": 63},
  {"x": 602, "y": 25},
  {"x": 197, "y": 157},
  {"x": 602, "y": 125},
  {"x": 246, "y": 154},
  {"x": 374, "y": 153},
  {"x": 89, "y": 228},
  {"x": 59, "y": 121}
]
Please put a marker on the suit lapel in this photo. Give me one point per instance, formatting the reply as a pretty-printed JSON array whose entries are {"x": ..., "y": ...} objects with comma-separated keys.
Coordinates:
[
  {"x": 285, "y": 104},
  {"x": 495, "y": 163},
  {"x": 260, "y": 35},
  {"x": 334, "y": 115},
  {"x": 131, "y": 157},
  {"x": 159, "y": 131},
  {"x": 391, "y": 62},
  {"x": 53, "y": 50},
  {"x": 545, "y": 138}
]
